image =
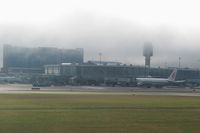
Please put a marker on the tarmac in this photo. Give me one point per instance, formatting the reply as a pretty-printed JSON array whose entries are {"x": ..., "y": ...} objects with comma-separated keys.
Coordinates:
[{"x": 27, "y": 88}]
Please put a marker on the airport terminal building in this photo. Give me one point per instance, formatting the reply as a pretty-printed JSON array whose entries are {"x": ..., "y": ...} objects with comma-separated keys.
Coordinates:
[{"x": 87, "y": 74}]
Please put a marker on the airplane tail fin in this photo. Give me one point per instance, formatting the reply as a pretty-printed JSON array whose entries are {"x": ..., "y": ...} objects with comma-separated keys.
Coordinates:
[{"x": 172, "y": 76}]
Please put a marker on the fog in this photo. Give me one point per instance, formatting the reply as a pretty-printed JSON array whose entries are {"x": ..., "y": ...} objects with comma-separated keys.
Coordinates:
[{"x": 117, "y": 38}]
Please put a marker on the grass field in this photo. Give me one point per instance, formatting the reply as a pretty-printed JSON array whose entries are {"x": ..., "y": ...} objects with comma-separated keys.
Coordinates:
[{"x": 98, "y": 113}]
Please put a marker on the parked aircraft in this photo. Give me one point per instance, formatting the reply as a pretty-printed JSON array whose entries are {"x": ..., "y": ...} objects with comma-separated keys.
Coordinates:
[{"x": 158, "y": 82}]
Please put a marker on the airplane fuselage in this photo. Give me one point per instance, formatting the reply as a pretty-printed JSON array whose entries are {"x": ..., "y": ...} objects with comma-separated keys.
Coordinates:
[
  {"x": 152, "y": 81},
  {"x": 157, "y": 82}
]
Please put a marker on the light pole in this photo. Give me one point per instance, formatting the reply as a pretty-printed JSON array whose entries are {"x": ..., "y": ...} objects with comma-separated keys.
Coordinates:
[
  {"x": 179, "y": 62},
  {"x": 100, "y": 54}
]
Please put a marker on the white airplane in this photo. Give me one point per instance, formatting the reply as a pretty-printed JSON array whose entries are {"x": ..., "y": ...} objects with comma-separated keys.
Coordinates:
[{"x": 157, "y": 82}]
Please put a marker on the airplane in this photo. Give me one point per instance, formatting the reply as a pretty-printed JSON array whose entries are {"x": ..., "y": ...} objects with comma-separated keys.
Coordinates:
[{"x": 158, "y": 82}]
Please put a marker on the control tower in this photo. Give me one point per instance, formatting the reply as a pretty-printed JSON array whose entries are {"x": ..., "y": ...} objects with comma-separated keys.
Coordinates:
[{"x": 147, "y": 53}]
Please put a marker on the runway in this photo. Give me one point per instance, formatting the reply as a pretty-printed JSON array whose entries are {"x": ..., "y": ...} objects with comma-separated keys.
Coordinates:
[
  {"x": 27, "y": 88},
  {"x": 97, "y": 90}
]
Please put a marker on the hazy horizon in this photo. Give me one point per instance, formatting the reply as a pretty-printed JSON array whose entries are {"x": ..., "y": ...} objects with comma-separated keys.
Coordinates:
[{"x": 117, "y": 29}]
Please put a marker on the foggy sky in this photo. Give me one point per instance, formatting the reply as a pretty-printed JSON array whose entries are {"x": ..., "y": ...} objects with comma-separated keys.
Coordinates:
[{"x": 118, "y": 39}]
